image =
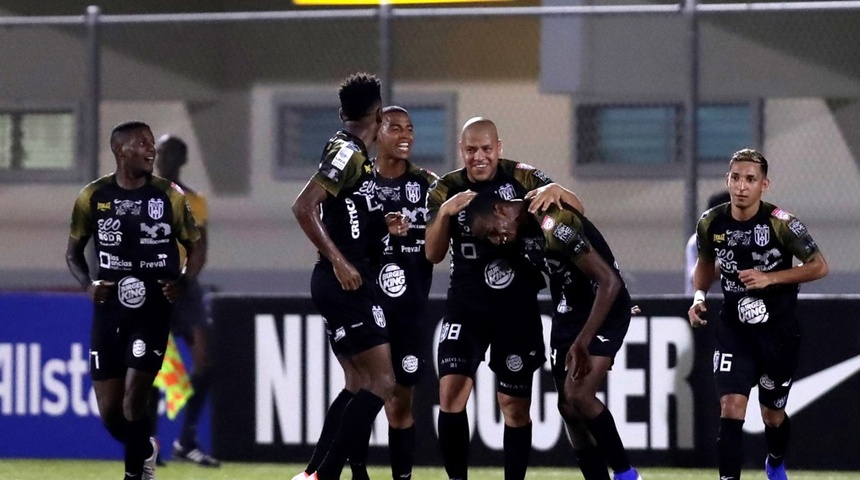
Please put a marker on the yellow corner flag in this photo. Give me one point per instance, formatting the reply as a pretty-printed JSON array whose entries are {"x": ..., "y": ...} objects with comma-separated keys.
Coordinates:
[{"x": 173, "y": 380}]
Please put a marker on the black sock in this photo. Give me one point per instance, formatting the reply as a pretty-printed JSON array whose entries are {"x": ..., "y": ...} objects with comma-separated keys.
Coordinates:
[
  {"x": 137, "y": 446},
  {"x": 602, "y": 428},
  {"x": 117, "y": 427},
  {"x": 358, "y": 415},
  {"x": 517, "y": 445},
  {"x": 401, "y": 448},
  {"x": 777, "y": 442},
  {"x": 591, "y": 463},
  {"x": 358, "y": 454},
  {"x": 730, "y": 448},
  {"x": 330, "y": 424},
  {"x": 200, "y": 382},
  {"x": 154, "y": 398},
  {"x": 454, "y": 441}
]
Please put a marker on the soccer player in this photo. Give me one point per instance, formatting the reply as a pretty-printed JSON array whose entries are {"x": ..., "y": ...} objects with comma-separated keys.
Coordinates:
[
  {"x": 753, "y": 243},
  {"x": 590, "y": 321},
  {"x": 492, "y": 301},
  {"x": 404, "y": 281},
  {"x": 190, "y": 320},
  {"x": 135, "y": 220},
  {"x": 348, "y": 236}
]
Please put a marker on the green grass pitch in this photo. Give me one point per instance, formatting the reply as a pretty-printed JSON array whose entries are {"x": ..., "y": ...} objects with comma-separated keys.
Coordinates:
[{"x": 92, "y": 470}]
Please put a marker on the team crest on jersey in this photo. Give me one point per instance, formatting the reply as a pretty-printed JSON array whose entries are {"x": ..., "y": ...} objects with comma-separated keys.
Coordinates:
[
  {"x": 155, "y": 208},
  {"x": 507, "y": 192},
  {"x": 413, "y": 192},
  {"x": 781, "y": 214},
  {"x": 761, "y": 235},
  {"x": 124, "y": 207},
  {"x": 498, "y": 274}
]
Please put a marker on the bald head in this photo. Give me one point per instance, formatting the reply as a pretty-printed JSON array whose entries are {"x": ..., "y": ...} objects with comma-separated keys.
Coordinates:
[{"x": 480, "y": 126}]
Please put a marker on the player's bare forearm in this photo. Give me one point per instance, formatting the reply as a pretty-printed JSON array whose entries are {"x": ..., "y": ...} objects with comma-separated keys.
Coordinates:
[
  {"x": 77, "y": 262},
  {"x": 608, "y": 287},
  {"x": 436, "y": 238},
  {"x": 704, "y": 274}
]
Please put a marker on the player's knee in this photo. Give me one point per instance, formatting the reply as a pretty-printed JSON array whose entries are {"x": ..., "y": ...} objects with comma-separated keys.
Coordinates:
[
  {"x": 515, "y": 410},
  {"x": 772, "y": 418}
]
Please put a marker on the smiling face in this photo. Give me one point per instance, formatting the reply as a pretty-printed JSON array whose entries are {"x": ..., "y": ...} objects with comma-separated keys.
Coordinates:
[
  {"x": 395, "y": 138},
  {"x": 499, "y": 226},
  {"x": 136, "y": 152},
  {"x": 480, "y": 149}
]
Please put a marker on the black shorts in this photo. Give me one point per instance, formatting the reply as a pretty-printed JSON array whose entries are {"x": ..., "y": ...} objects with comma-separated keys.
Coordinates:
[
  {"x": 607, "y": 341},
  {"x": 512, "y": 330},
  {"x": 355, "y": 321},
  {"x": 129, "y": 333},
  {"x": 410, "y": 336},
  {"x": 749, "y": 355},
  {"x": 189, "y": 311}
]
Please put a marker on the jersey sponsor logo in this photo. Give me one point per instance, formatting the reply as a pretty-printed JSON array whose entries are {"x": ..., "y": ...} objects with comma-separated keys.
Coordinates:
[
  {"x": 541, "y": 176},
  {"x": 719, "y": 238},
  {"x": 547, "y": 223},
  {"x": 354, "y": 228},
  {"x": 160, "y": 263},
  {"x": 138, "y": 348},
  {"x": 131, "y": 292},
  {"x": 563, "y": 233},
  {"x": 102, "y": 206},
  {"x": 125, "y": 207},
  {"x": 155, "y": 208},
  {"x": 797, "y": 227},
  {"x": 108, "y": 231},
  {"x": 498, "y": 274},
  {"x": 738, "y": 237},
  {"x": 392, "y": 280},
  {"x": 733, "y": 286},
  {"x": 413, "y": 192},
  {"x": 409, "y": 364},
  {"x": 388, "y": 194},
  {"x": 752, "y": 310},
  {"x": 524, "y": 166},
  {"x": 514, "y": 363},
  {"x": 761, "y": 234},
  {"x": 342, "y": 157},
  {"x": 151, "y": 232},
  {"x": 378, "y": 315},
  {"x": 507, "y": 192},
  {"x": 726, "y": 260},
  {"x": 113, "y": 262}
]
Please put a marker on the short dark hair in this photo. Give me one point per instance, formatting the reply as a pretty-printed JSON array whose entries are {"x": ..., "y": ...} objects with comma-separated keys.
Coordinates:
[
  {"x": 481, "y": 206},
  {"x": 175, "y": 148},
  {"x": 750, "y": 155},
  {"x": 125, "y": 127},
  {"x": 358, "y": 93}
]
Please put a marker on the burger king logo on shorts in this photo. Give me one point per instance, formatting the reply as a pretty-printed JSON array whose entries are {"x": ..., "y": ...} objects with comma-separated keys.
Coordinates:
[
  {"x": 498, "y": 274},
  {"x": 131, "y": 292},
  {"x": 410, "y": 363},
  {"x": 392, "y": 280},
  {"x": 514, "y": 363},
  {"x": 138, "y": 348}
]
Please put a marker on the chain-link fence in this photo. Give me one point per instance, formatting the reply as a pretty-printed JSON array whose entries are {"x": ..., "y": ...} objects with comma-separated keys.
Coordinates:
[{"x": 595, "y": 95}]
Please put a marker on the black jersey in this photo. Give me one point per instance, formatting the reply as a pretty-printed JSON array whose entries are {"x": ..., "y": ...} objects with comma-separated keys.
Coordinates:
[
  {"x": 406, "y": 274},
  {"x": 766, "y": 242},
  {"x": 478, "y": 267},
  {"x": 352, "y": 215},
  {"x": 554, "y": 242},
  {"x": 135, "y": 231}
]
